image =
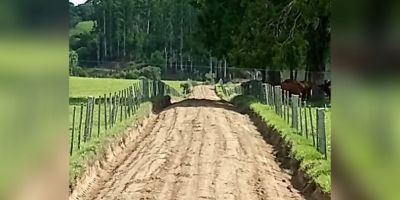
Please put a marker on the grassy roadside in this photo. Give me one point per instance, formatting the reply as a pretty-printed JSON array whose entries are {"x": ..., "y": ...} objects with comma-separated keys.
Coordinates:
[
  {"x": 311, "y": 161},
  {"x": 97, "y": 145}
]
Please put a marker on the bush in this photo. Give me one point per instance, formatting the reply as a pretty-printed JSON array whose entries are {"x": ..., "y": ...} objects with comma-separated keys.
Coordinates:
[
  {"x": 157, "y": 59},
  {"x": 151, "y": 72},
  {"x": 79, "y": 71},
  {"x": 186, "y": 87},
  {"x": 210, "y": 78},
  {"x": 134, "y": 74}
]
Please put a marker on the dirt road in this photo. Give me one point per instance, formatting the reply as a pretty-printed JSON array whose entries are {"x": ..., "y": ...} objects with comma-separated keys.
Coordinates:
[{"x": 195, "y": 149}]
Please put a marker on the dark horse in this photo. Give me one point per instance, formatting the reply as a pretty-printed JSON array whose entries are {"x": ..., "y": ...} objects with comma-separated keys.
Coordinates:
[
  {"x": 302, "y": 88},
  {"x": 326, "y": 87}
]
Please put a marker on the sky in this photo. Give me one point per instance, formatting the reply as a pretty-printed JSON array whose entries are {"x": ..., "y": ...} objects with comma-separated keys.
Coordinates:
[{"x": 77, "y": 2}]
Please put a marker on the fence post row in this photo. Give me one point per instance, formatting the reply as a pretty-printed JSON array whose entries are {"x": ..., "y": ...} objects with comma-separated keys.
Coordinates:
[{"x": 126, "y": 102}]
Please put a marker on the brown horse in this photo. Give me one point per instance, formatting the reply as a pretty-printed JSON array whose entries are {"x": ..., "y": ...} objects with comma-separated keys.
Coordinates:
[
  {"x": 302, "y": 88},
  {"x": 326, "y": 87}
]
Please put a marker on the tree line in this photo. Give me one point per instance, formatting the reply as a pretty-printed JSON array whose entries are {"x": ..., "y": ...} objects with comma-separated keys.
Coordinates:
[{"x": 269, "y": 34}]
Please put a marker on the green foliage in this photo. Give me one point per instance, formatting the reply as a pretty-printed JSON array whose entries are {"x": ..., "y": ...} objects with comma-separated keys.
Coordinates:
[
  {"x": 157, "y": 59},
  {"x": 133, "y": 74},
  {"x": 73, "y": 61},
  {"x": 284, "y": 34},
  {"x": 82, "y": 27},
  {"x": 151, "y": 72},
  {"x": 78, "y": 71},
  {"x": 210, "y": 78}
]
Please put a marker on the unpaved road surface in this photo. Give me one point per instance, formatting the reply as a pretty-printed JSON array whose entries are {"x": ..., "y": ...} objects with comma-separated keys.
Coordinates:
[{"x": 195, "y": 149}]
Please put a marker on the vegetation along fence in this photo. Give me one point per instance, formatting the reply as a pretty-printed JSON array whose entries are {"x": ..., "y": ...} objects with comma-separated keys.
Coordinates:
[
  {"x": 311, "y": 122},
  {"x": 97, "y": 115}
]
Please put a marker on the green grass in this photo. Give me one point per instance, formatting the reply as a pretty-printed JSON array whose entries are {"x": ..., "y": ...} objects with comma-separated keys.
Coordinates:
[
  {"x": 311, "y": 161},
  {"x": 175, "y": 84},
  {"x": 82, "y": 27},
  {"x": 84, "y": 87}
]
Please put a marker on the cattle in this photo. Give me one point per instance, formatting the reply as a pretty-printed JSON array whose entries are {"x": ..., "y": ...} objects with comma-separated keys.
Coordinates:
[
  {"x": 302, "y": 88},
  {"x": 326, "y": 87}
]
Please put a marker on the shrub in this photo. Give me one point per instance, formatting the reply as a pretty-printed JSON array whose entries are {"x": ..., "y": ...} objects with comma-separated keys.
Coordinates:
[
  {"x": 134, "y": 74},
  {"x": 157, "y": 59},
  {"x": 79, "y": 71},
  {"x": 186, "y": 87},
  {"x": 210, "y": 78},
  {"x": 151, "y": 72}
]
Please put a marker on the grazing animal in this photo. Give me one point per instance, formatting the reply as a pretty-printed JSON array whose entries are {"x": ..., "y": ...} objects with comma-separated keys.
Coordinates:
[
  {"x": 306, "y": 89},
  {"x": 326, "y": 87},
  {"x": 302, "y": 88}
]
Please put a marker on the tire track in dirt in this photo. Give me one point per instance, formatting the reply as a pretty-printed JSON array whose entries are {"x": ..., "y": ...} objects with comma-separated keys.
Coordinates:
[{"x": 199, "y": 148}]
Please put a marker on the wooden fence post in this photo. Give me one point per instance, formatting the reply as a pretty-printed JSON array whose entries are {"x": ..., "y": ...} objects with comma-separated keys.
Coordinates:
[
  {"x": 305, "y": 118},
  {"x": 125, "y": 100},
  {"x": 80, "y": 127},
  {"x": 93, "y": 101},
  {"x": 321, "y": 131},
  {"x": 115, "y": 115},
  {"x": 295, "y": 100},
  {"x": 145, "y": 89},
  {"x": 264, "y": 93},
  {"x": 121, "y": 106},
  {"x": 288, "y": 96},
  {"x": 73, "y": 131},
  {"x": 300, "y": 114},
  {"x": 86, "y": 130},
  {"x": 99, "y": 117},
  {"x": 110, "y": 116},
  {"x": 278, "y": 99},
  {"x": 312, "y": 125},
  {"x": 105, "y": 111}
]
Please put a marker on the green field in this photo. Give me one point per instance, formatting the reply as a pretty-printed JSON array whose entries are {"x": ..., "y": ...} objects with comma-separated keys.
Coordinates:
[
  {"x": 84, "y": 87},
  {"x": 82, "y": 27}
]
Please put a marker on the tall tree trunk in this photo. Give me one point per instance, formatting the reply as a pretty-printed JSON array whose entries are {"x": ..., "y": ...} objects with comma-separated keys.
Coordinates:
[
  {"x": 165, "y": 58},
  {"x": 211, "y": 64},
  {"x": 274, "y": 77},
  {"x": 124, "y": 50},
  {"x": 148, "y": 17},
  {"x": 181, "y": 48},
  {"x": 225, "y": 69},
  {"x": 264, "y": 75},
  {"x": 291, "y": 74},
  {"x": 98, "y": 44},
  {"x": 104, "y": 34}
]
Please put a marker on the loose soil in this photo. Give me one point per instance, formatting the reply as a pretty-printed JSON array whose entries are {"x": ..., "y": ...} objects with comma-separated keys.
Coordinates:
[{"x": 200, "y": 148}]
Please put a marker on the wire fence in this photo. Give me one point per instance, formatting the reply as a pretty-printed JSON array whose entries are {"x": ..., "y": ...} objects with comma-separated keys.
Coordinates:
[
  {"x": 97, "y": 115},
  {"x": 311, "y": 122}
]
